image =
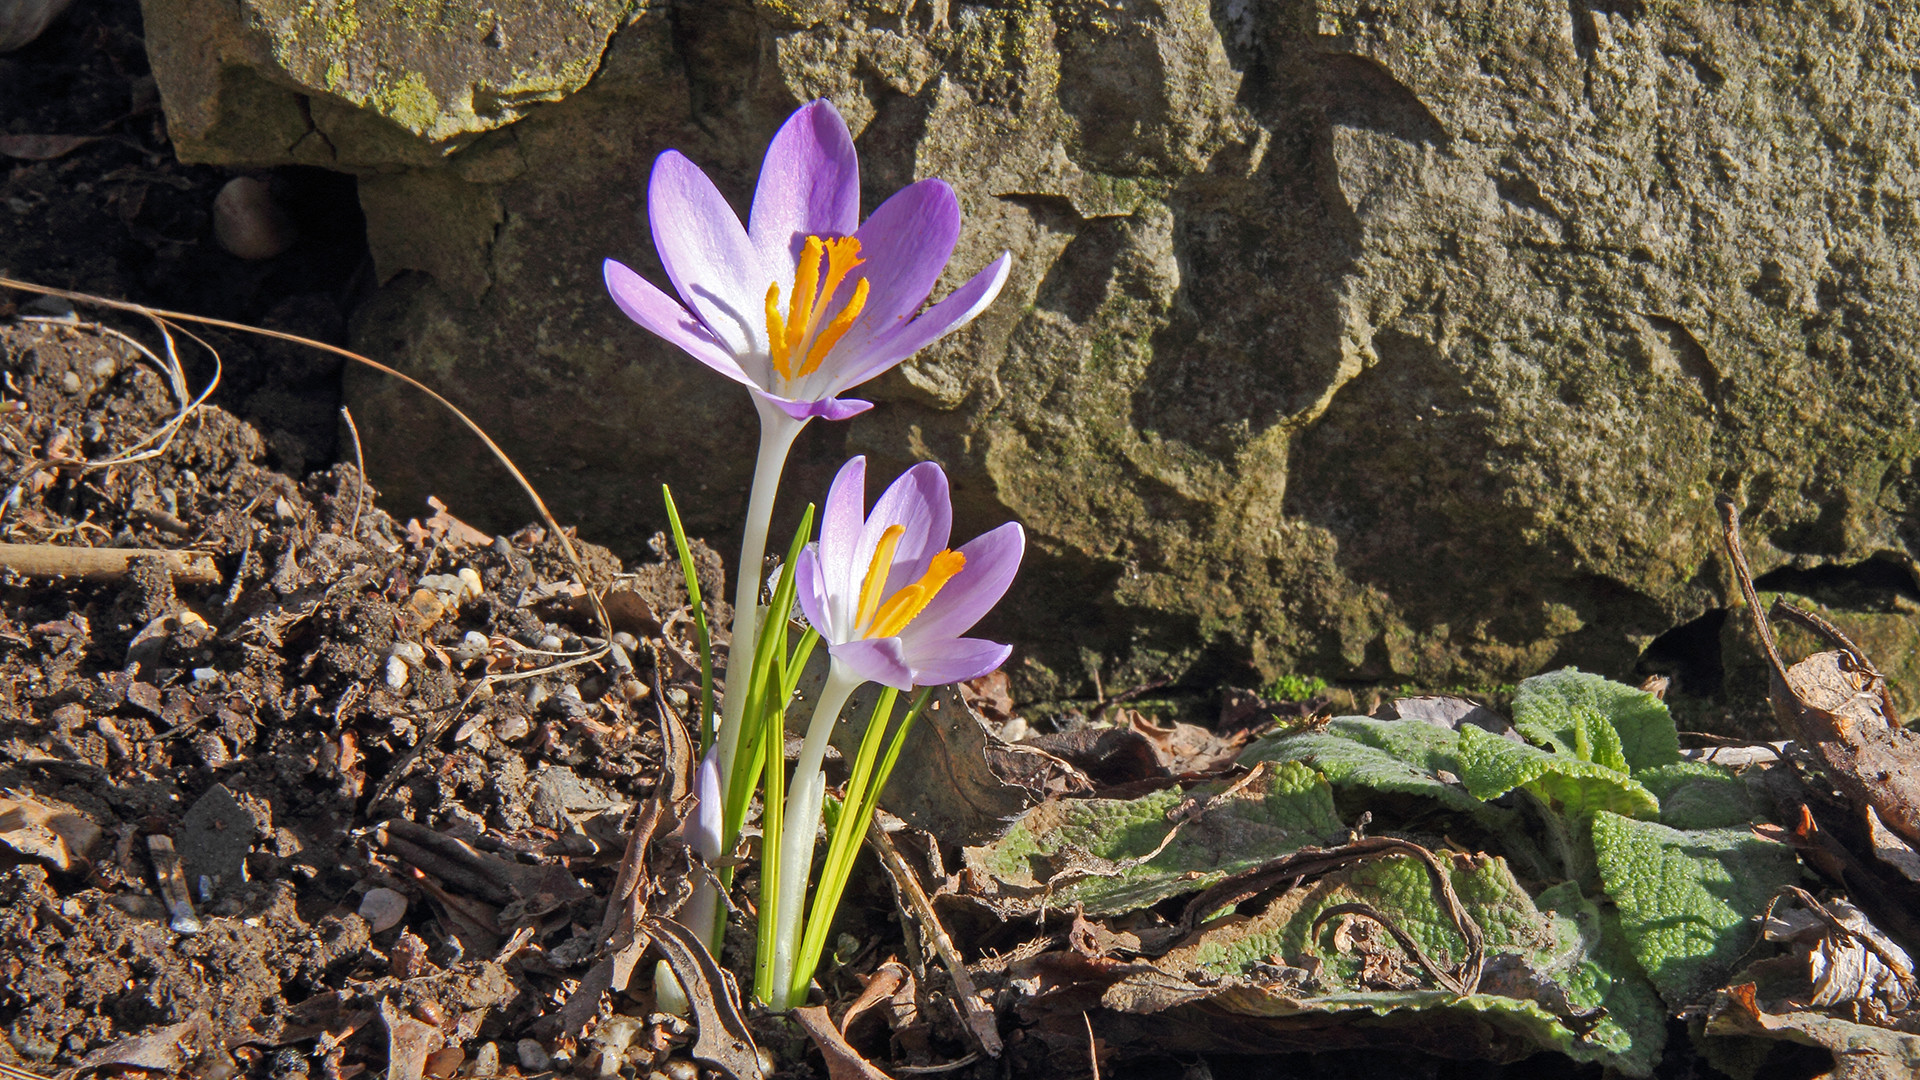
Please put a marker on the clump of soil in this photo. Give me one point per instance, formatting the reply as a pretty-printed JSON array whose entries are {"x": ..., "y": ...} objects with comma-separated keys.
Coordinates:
[{"x": 317, "y": 726}]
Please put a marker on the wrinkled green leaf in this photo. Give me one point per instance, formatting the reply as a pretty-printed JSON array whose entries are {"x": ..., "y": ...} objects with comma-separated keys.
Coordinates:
[
  {"x": 1379, "y": 755},
  {"x": 1088, "y": 849},
  {"x": 1595, "y": 719},
  {"x": 1544, "y": 965},
  {"x": 1702, "y": 795},
  {"x": 1493, "y": 766},
  {"x": 1687, "y": 899}
]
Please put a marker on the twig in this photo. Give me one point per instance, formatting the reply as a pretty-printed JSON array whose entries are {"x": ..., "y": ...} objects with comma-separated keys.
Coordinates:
[
  {"x": 979, "y": 1019},
  {"x": 104, "y": 564},
  {"x": 359, "y": 473}
]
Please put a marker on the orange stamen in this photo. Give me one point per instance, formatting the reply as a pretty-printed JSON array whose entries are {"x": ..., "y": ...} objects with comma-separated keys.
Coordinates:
[
  {"x": 900, "y": 609},
  {"x": 823, "y": 266}
]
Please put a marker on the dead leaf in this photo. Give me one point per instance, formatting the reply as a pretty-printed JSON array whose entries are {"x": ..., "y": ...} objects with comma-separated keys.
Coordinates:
[
  {"x": 52, "y": 832},
  {"x": 724, "y": 1040},
  {"x": 1860, "y": 1051},
  {"x": 443, "y": 526},
  {"x": 42, "y": 147},
  {"x": 163, "y": 1051},
  {"x": 408, "y": 1043},
  {"x": 843, "y": 1061}
]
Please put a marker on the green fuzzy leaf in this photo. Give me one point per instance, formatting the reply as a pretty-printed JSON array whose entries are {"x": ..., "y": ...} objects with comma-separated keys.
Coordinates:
[
  {"x": 1087, "y": 848},
  {"x": 1493, "y": 766},
  {"x": 1687, "y": 899},
  {"x": 1401, "y": 756},
  {"x": 1596, "y": 719},
  {"x": 1702, "y": 795},
  {"x": 1545, "y": 963}
]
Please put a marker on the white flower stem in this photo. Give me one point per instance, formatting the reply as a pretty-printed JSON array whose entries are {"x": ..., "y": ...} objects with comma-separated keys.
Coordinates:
[
  {"x": 777, "y": 432},
  {"x": 804, "y": 802}
]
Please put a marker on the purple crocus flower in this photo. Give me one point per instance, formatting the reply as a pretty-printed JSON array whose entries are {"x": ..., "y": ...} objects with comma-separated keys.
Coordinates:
[
  {"x": 886, "y": 593},
  {"x": 805, "y": 302}
]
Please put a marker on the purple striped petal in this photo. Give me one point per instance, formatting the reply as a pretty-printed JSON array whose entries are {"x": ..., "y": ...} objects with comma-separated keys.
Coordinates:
[
  {"x": 662, "y": 314},
  {"x": 943, "y": 318},
  {"x": 707, "y": 255},
  {"x": 876, "y": 660},
  {"x": 906, "y": 245},
  {"x": 918, "y": 500},
  {"x": 992, "y": 560},
  {"x": 809, "y": 186},
  {"x": 955, "y": 660},
  {"x": 842, "y": 518}
]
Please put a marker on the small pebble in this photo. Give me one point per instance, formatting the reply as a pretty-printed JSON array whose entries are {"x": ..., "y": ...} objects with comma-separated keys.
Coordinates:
[
  {"x": 249, "y": 222},
  {"x": 550, "y": 643},
  {"x": 205, "y": 674},
  {"x": 472, "y": 647},
  {"x": 538, "y": 693},
  {"x": 105, "y": 367},
  {"x": 626, "y": 641},
  {"x": 70, "y": 383},
  {"x": 383, "y": 909},
  {"x": 682, "y": 1069},
  {"x": 1014, "y": 730},
  {"x": 471, "y": 578},
  {"x": 397, "y": 673},
  {"x": 486, "y": 1060},
  {"x": 411, "y": 651},
  {"x": 533, "y": 1056},
  {"x": 511, "y": 728}
]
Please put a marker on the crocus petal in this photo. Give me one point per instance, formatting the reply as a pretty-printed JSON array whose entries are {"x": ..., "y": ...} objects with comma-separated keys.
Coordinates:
[
  {"x": 707, "y": 813},
  {"x": 712, "y": 264},
  {"x": 906, "y": 244},
  {"x": 811, "y": 588},
  {"x": 993, "y": 558},
  {"x": 955, "y": 660},
  {"x": 841, "y": 519},
  {"x": 943, "y": 318},
  {"x": 826, "y": 408},
  {"x": 876, "y": 660},
  {"x": 662, "y": 314},
  {"x": 917, "y": 501},
  {"x": 809, "y": 186}
]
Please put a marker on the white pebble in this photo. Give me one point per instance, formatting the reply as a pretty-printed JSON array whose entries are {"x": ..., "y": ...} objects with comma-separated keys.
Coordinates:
[
  {"x": 472, "y": 647},
  {"x": 397, "y": 673},
  {"x": 70, "y": 382},
  {"x": 471, "y": 579},
  {"x": 383, "y": 909},
  {"x": 1014, "y": 730},
  {"x": 410, "y": 651},
  {"x": 533, "y": 1056},
  {"x": 486, "y": 1060},
  {"x": 550, "y": 643}
]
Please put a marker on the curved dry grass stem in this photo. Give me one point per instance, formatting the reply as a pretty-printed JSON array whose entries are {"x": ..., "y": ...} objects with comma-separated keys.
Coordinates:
[{"x": 162, "y": 316}]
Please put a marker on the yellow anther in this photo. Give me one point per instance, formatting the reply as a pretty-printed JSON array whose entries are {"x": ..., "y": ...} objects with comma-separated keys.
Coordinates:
[
  {"x": 823, "y": 266},
  {"x": 901, "y": 607},
  {"x": 873, "y": 588},
  {"x": 777, "y": 332},
  {"x": 836, "y": 329}
]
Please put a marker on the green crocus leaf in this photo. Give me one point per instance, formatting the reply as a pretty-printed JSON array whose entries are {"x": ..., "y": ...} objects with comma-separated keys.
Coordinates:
[
  {"x": 1687, "y": 898},
  {"x": 1596, "y": 719}
]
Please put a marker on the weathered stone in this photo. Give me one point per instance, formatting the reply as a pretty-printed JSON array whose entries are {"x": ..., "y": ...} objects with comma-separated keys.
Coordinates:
[{"x": 1401, "y": 341}]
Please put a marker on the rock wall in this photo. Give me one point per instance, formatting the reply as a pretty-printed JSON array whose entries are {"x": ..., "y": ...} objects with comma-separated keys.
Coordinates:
[{"x": 1404, "y": 341}]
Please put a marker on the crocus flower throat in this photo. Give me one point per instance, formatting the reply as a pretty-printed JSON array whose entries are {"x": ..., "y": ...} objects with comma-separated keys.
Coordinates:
[
  {"x": 878, "y": 619},
  {"x": 807, "y": 307}
]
